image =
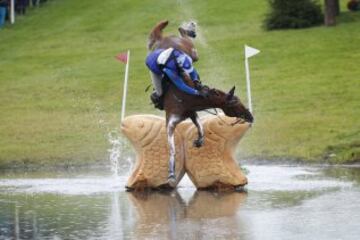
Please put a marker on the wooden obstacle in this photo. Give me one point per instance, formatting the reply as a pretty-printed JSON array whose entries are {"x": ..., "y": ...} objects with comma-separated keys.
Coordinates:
[
  {"x": 210, "y": 167},
  {"x": 147, "y": 134},
  {"x": 213, "y": 166}
]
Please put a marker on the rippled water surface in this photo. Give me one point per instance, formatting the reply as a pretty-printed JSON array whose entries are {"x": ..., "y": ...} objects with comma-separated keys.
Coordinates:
[{"x": 281, "y": 202}]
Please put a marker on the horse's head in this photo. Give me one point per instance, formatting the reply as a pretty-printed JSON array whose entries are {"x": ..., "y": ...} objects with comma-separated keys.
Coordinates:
[{"x": 230, "y": 104}]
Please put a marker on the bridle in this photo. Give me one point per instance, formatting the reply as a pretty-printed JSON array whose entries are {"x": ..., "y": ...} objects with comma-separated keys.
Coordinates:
[
  {"x": 222, "y": 120},
  {"x": 215, "y": 113}
]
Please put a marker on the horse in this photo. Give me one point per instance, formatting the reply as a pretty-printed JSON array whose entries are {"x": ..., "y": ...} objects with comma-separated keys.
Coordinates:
[{"x": 179, "y": 106}]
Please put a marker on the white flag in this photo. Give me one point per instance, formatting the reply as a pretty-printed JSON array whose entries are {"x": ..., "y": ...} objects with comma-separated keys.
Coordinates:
[{"x": 249, "y": 51}]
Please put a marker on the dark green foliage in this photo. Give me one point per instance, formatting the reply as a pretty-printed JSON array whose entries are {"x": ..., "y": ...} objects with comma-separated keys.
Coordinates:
[
  {"x": 293, "y": 14},
  {"x": 353, "y": 5}
]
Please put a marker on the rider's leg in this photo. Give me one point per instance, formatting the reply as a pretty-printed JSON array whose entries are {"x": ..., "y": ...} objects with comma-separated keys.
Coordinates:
[
  {"x": 200, "y": 140},
  {"x": 157, "y": 83},
  {"x": 179, "y": 83},
  {"x": 156, "y": 96}
]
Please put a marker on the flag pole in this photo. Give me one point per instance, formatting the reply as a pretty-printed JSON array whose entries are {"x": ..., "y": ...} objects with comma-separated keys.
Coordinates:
[
  {"x": 125, "y": 86},
  {"x": 12, "y": 11},
  {"x": 249, "y": 52},
  {"x": 248, "y": 85}
]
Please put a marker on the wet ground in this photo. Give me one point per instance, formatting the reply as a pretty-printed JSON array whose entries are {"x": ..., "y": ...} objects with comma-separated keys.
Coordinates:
[{"x": 281, "y": 202}]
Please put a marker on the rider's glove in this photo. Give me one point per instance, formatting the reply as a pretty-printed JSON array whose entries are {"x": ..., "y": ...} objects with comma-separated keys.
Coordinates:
[{"x": 198, "y": 85}]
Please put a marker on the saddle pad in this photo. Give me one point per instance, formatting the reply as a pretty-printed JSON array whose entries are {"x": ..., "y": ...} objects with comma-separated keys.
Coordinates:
[{"x": 164, "y": 56}]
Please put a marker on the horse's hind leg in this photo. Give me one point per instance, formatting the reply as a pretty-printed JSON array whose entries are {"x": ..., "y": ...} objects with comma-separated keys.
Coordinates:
[
  {"x": 200, "y": 140},
  {"x": 172, "y": 121}
]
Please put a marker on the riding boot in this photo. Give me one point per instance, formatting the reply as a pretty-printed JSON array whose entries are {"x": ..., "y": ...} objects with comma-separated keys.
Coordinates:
[{"x": 157, "y": 100}]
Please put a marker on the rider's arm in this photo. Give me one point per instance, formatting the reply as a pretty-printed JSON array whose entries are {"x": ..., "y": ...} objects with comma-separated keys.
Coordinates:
[
  {"x": 179, "y": 83},
  {"x": 187, "y": 79},
  {"x": 194, "y": 75},
  {"x": 186, "y": 64}
]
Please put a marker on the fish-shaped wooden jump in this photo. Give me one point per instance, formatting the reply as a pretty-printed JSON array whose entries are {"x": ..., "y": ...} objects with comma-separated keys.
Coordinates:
[
  {"x": 147, "y": 134},
  {"x": 211, "y": 166}
]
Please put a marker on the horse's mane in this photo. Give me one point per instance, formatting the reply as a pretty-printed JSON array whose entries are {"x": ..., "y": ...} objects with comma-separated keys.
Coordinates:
[
  {"x": 213, "y": 93},
  {"x": 231, "y": 101}
]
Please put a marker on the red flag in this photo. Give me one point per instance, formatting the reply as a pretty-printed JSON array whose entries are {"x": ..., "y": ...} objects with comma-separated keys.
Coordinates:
[{"x": 122, "y": 57}]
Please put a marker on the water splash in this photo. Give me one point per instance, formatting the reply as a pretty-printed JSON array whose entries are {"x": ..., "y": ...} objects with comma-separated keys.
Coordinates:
[
  {"x": 115, "y": 152},
  {"x": 187, "y": 11},
  {"x": 120, "y": 164},
  {"x": 215, "y": 58}
]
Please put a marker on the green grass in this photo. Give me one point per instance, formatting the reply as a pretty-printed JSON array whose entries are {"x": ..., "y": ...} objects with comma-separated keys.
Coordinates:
[{"x": 60, "y": 87}]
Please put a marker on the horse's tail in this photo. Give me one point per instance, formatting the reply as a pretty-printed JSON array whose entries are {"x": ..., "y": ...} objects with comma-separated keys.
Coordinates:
[{"x": 156, "y": 34}]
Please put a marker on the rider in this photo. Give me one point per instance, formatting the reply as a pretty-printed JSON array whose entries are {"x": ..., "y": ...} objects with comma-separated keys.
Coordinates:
[
  {"x": 177, "y": 67},
  {"x": 189, "y": 28}
]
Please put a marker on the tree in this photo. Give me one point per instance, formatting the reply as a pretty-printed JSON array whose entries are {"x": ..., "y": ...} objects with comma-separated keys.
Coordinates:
[
  {"x": 293, "y": 14},
  {"x": 332, "y": 9},
  {"x": 337, "y": 9}
]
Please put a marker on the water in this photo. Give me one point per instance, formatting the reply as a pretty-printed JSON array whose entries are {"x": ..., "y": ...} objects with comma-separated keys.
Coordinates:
[{"x": 281, "y": 202}]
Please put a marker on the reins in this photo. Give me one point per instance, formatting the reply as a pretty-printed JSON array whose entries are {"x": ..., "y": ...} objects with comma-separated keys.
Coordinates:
[
  {"x": 179, "y": 100},
  {"x": 215, "y": 113},
  {"x": 222, "y": 120}
]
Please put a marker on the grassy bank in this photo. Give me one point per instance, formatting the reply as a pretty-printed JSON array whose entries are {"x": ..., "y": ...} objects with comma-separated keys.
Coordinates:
[{"x": 60, "y": 87}]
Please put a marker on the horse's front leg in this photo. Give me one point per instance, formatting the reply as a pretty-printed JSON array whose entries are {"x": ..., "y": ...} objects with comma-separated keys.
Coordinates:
[
  {"x": 172, "y": 121},
  {"x": 200, "y": 140}
]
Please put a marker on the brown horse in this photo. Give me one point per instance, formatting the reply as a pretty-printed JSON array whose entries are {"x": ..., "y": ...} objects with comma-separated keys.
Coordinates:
[{"x": 180, "y": 106}]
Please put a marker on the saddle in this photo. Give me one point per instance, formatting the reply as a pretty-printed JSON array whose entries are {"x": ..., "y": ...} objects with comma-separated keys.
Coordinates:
[
  {"x": 159, "y": 101},
  {"x": 162, "y": 60}
]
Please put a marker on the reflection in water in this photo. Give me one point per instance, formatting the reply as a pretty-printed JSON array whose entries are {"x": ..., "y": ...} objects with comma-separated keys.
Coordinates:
[
  {"x": 47, "y": 216},
  {"x": 16, "y": 223},
  {"x": 158, "y": 215},
  {"x": 214, "y": 205},
  {"x": 344, "y": 173},
  {"x": 167, "y": 214},
  {"x": 281, "y": 203},
  {"x": 158, "y": 212},
  {"x": 116, "y": 228}
]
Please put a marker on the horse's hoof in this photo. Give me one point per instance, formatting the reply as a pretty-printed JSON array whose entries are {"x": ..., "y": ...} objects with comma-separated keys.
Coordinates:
[
  {"x": 172, "y": 181},
  {"x": 240, "y": 188},
  {"x": 198, "y": 143}
]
